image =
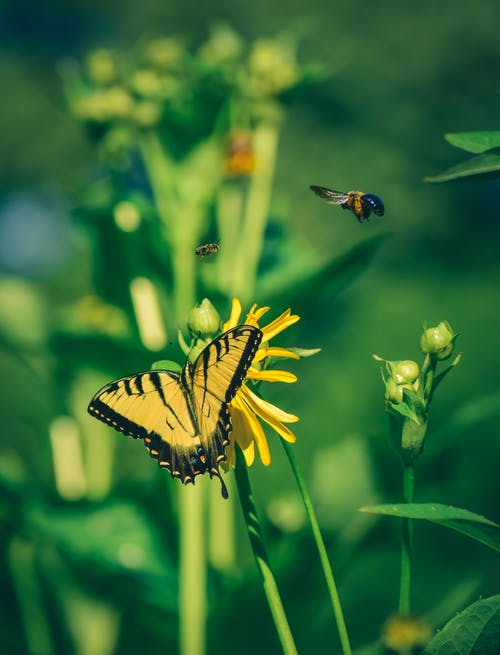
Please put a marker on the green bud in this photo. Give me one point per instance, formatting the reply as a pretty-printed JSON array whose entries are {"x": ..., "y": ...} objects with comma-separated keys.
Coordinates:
[
  {"x": 101, "y": 67},
  {"x": 164, "y": 53},
  {"x": 203, "y": 321},
  {"x": 393, "y": 391},
  {"x": 147, "y": 113},
  {"x": 438, "y": 341},
  {"x": 127, "y": 216},
  {"x": 404, "y": 372},
  {"x": 146, "y": 82}
]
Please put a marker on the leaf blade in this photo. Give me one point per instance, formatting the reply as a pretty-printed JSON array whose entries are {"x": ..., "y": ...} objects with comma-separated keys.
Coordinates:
[
  {"x": 484, "y": 164},
  {"x": 475, "y": 631},
  {"x": 473, "y": 525},
  {"x": 475, "y": 142}
]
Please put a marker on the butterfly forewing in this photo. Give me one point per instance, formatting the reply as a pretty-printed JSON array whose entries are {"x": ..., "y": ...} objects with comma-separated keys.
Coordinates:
[{"x": 214, "y": 380}]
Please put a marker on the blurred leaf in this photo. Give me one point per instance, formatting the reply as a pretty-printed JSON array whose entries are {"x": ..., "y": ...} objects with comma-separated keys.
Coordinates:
[
  {"x": 488, "y": 162},
  {"x": 117, "y": 537},
  {"x": 475, "y": 631},
  {"x": 101, "y": 352},
  {"x": 466, "y": 417},
  {"x": 475, "y": 526},
  {"x": 303, "y": 286},
  {"x": 475, "y": 142}
]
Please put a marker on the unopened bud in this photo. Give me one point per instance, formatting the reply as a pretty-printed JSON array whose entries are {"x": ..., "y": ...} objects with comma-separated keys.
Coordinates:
[
  {"x": 404, "y": 372},
  {"x": 438, "y": 340},
  {"x": 203, "y": 321}
]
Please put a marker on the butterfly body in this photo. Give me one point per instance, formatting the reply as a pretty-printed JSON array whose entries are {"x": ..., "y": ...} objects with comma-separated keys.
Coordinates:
[
  {"x": 361, "y": 204},
  {"x": 183, "y": 418}
]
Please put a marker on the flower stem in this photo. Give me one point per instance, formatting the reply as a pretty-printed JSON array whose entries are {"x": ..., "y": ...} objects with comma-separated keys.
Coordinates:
[
  {"x": 320, "y": 545},
  {"x": 261, "y": 556},
  {"x": 192, "y": 584},
  {"x": 406, "y": 545}
]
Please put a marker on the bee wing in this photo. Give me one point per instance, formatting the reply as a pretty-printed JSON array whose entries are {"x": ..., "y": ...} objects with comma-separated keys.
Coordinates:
[{"x": 331, "y": 196}]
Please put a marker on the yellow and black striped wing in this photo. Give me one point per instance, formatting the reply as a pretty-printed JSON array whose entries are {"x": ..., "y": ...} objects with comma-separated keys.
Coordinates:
[
  {"x": 214, "y": 380},
  {"x": 153, "y": 406}
]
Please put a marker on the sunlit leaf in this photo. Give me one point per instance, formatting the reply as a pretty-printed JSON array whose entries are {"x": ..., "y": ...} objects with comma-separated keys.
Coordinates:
[
  {"x": 475, "y": 142},
  {"x": 475, "y": 631},
  {"x": 475, "y": 526},
  {"x": 487, "y": 163}
]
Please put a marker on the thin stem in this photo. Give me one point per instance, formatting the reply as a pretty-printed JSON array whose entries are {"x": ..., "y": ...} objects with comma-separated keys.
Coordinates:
[
  {"x": 261, "y": 556},
  {"x": 256, "y": 210},
  {"x": 406, "y": 546},
  {"x": 192, "y": 584},
  {"x": 320, "y": 545}
]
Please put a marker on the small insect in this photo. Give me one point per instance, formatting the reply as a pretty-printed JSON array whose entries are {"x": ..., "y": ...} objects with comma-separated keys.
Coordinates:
[
  {"x": 207, "y": 249},
  {"x": 361, "y": 204}
]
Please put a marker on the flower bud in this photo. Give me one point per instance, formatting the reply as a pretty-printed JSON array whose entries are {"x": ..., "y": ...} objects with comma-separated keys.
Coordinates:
[
  {"x": 404, "y": 372},
  {"x": 102, "y": 68},
  {"x": 127, "y": 216},
  {"x": 203, "y": 321},
  {"x": 438, "y": 340}
]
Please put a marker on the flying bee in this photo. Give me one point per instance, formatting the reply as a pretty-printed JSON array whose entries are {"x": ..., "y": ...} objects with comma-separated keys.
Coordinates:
[
  {"x": 207, "y": 249},
  {"x": 361, "y": 204}
]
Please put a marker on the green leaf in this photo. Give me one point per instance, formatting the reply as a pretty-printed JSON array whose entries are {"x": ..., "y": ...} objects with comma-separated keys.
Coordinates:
[
  {"x": 475, "y": 631},
  {"x": 304, "y": 286},
  {"x": 166, "y": 365},
  {"x": 475, "y": 526},
  {"x": 475, "y": 142},
  {"x": 486, "y": 163}
]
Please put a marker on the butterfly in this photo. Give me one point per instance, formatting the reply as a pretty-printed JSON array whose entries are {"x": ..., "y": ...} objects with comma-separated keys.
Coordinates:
[
  {"x": 361, "y": 204},
  {"x": 183, "y": 418}
]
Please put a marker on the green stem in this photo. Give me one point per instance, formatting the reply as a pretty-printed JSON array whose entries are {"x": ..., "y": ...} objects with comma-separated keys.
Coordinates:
[
  {"x": 320, "y": 545},
  {"x": 192, "y": 584},
  {"x": 406, "y": 546},
  {"x": 256, "y": 210},
  {"x": 261, "y": 556}
]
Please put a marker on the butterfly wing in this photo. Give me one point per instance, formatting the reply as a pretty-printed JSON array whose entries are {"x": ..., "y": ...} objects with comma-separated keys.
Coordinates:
[
  {"x": 153, "y": 406},
  {"x": 214, "y": 380},
  {"x": 331, "y": 196}
]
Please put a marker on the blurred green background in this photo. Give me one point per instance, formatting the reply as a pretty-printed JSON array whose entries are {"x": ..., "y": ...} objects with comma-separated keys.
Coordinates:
[{"x": 400, "y": 76}]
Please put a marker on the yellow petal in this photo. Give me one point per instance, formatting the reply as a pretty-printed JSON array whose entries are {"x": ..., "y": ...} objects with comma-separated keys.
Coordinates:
[
  {"x": 253, "y": 428},
  {"x": 274, "y": 351},
  {"x": 278, "y": 325},
  {"x": 242, "y": 432},
  {"x": 254, "y": 315},
  {"x": 281, "y": 429},
  {"x": 234, "y": 316},
  {"x": 263, "y": 408},
  {"x": 271, "y": 375}
]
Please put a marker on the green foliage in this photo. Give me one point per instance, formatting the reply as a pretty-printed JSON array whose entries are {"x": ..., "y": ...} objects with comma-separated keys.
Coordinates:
[
  {"x": 486, "y": 144},
  {"x": 475, "y": 631},
  {"x": 473, "y": 525}
]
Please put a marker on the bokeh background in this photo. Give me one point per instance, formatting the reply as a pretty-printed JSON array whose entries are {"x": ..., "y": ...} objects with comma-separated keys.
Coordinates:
[{"x": 399, "y": 76}]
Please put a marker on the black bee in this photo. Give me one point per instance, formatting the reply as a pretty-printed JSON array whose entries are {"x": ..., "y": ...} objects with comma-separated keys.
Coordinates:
[
  {"x": 361, "y": 204},
  {"x": 207, "y": 249}
]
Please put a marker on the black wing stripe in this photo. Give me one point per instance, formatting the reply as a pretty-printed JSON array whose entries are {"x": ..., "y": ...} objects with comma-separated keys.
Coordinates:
[
  {"x": 247, "y": 356},
  {"x": 103, "y": 412}
]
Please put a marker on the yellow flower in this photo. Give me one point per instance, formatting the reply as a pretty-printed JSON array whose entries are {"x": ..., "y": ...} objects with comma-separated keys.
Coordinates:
[{"x": 246, "y": 407}]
